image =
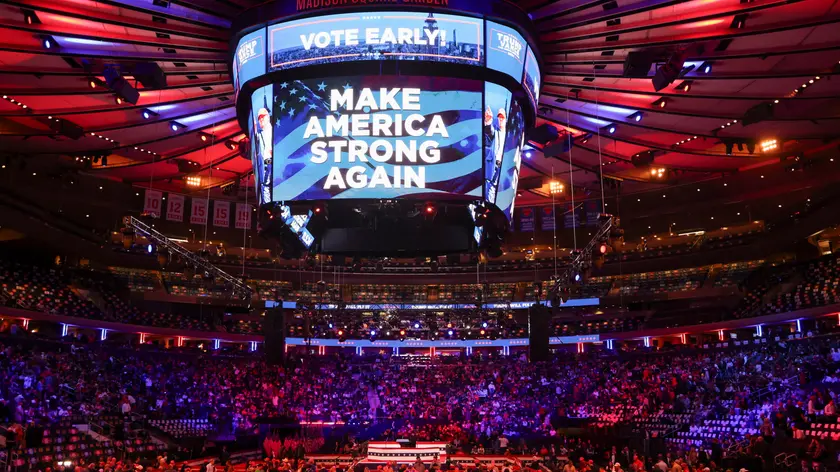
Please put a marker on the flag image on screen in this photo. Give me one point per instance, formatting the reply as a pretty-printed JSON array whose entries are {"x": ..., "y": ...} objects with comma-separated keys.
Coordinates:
[
  {"x": 504, "y": 126},
  {"x": 532, "y": 77},
  {"x": 377, "y": 137},
  {"x": 505, "y": 50},
  {"x": 509, "y": 178},
  {"x": 261, "y": 131},
  {"x": 376, "y": 36},
  {"x": 496, "y": 107}
]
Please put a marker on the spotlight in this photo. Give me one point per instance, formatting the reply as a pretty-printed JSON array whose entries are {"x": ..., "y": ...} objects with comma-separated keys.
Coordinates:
[
  {"x": 175, "y": 126},
  {"x": 48, "y": 42},
  {"x": 450, "y": 333},
  {"x": 706, "y": 67},
  {"x": 685, "y": 86},
  {"x": 577, "y": 277},
  {"x": 603, "y": 248},
  {"x": 31, "y": 17},
  {"x": 660, "y": 103},
  {"x": 416, "y": 325},
  {"x": 148, "y": 114},
  {"x": 204, "y": 137},
  {"x": 231, "y": 144},
  {"x": 637, "y": 117},
  {"x": 92, "y": 83},
  {"x": 555, "y": 187},
  {"x": 670, "y": 71},
  {"x": 118, "y": 100},
  {"x": 430, "y": 209},
  {"x": 611, "y": 129},
  {"x": 528, "y": 154}
]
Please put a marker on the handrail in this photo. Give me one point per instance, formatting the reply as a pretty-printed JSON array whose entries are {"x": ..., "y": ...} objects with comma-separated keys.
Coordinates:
[{"x": 239, "y": 287}]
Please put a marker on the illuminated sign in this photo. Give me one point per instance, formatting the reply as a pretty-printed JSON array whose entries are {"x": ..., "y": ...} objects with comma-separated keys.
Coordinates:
[
  {"x": 370, "y": 137},
  {"x": 505, "y": 50},
  {"x": 249, "y": 59},
  {"x": 532, "y": 77},
  {"x": 307, "y": 5},
  {"x": 376, "y": 36}
]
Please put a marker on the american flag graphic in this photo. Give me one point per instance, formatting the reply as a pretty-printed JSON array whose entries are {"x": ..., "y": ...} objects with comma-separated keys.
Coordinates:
[{"x": 457, "y": 101}]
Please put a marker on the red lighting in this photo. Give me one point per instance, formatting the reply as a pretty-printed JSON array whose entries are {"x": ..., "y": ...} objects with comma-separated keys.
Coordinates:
[
  {"x": 602, "y": 248},
  {"x": 340, "y": 332},
  {"x": 430, "y": 209}
]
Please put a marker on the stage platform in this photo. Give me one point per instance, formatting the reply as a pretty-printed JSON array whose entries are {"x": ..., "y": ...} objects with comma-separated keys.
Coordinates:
[{"x": 428, "y": 452}]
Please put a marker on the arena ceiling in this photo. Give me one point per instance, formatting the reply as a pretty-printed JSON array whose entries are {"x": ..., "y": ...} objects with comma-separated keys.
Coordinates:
[{"x": 745, "y": 54}]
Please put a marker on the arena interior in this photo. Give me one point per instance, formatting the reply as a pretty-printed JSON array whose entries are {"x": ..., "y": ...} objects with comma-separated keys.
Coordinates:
[{"x": 419, "y": 235}]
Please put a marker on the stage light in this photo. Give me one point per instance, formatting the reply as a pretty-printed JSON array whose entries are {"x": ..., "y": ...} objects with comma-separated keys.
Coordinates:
[
  {"x": 611, "y": 129},
  {"x": 92, "y": 83},
  {"x": 118, "y": 100},
  {"x": 577, "y": 277},
  {"x": 150, "y": 248},
  {"x": 430, "y": 209},
  {"x": 706, "y": 67},
  {"x": 660, "y": 103},
  {"x": 603, "y": 248},
  {"x": 30, "y": 17},
  {"x": 193, "y": 180},
  {"x": 148, "y": 114},
  {"x": 484, "y": 325},
  {"x": 768, "y": 145},
  {"x": 48, "y": 42},
  {"x": 555, "y": 187},
  {"x": 204, "y": 137},
  {"x": 330, "y": 325},
  {"x": 373, "y": 332},
  {"x": 416, "y": 325},
  {"x": 637, "y": 117},
  {"x": 175, "y": 126}
]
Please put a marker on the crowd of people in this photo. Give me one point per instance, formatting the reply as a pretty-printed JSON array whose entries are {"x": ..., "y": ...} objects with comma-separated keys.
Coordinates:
[{"x": 476, "y": 403}]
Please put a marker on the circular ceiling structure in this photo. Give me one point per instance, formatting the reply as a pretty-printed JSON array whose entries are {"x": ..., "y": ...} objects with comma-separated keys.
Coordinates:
[{"x": 756, "y": 88}]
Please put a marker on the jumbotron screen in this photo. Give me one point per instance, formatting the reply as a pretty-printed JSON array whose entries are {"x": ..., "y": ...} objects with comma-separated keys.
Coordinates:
[{"x": 386, "y": 136}]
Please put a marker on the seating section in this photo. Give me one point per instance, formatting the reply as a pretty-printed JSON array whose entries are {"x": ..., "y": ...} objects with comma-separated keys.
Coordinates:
[
  {"x": 734, "y": 274},
  {"x": 46, "y": 290},
  {"x": 654, "y": 283},
  {"x": 820, "y": 287},
  {"x": 193, "y": 285},
  {"x": 63, "y": 441},
  {"x": 137, "y": 280},
  {"x": 370, "y": 293},
  {"x": 184, "y": 428},
  {"x": 271, "y": 289}
]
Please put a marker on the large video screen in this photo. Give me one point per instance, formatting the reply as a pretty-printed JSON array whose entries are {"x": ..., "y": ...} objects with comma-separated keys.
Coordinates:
[
  {"x": 504, "y": 134},
  {"x": 376, "y": 36},
  {"x": 249, "y": 60},
  {"x": 505, "y": 50},
  {"x": 369, "y": 137},
  {"x": 261, "y": 131},
  {"x": 532, "y": 77}
]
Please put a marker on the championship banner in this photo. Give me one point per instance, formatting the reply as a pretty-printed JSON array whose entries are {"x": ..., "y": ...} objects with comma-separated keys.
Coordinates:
[
  {"x": 175, "y": 208},
  {"x": 243, "y": 216},
  {"x": 221, "y": 213},
  {"x": 548, "y": 219},
  {"x": 592, "y": 209},
  {"x": 152, "y": 203},
  {"x": 527, "y": 219},
  {"x": 198, "y": 213},
  {"x": 571, "y": 219}
]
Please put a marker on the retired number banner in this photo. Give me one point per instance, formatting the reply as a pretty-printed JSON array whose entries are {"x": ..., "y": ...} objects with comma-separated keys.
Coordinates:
[
  {"x": 152, "y": 203},
  {"x": 175, "y": 207},
  {"x": 198, "y": 213},
  {"x": 221, "y": 213}
]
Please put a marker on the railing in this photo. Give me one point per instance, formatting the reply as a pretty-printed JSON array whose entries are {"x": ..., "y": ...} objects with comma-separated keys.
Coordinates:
[{"x": 200, "y": 263}]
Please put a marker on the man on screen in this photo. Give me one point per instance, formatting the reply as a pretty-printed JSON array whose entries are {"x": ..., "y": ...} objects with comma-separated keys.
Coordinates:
[
  {"x": 494, "y": 137},
  {"x": 265, "y": 138}
]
